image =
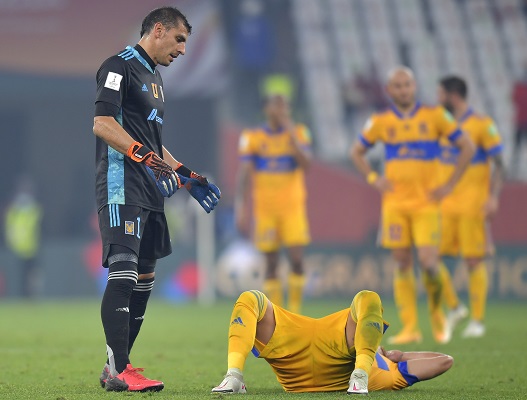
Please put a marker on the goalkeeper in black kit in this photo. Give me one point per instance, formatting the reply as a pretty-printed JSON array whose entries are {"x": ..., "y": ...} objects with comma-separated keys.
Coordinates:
[{"x": 135, "y": 172}]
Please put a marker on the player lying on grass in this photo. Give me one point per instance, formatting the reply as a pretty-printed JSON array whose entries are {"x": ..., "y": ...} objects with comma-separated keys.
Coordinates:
[{"x": 337, "y": 352}]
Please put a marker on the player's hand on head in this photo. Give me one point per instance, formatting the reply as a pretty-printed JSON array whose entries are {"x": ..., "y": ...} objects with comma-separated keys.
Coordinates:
[
  {"x": 206, "y": 193},
  {"x": 167, "y": 181}
]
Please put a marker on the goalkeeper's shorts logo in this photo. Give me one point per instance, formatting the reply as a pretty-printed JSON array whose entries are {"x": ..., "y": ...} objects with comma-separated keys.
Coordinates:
[{"x": 129, "y": 228}]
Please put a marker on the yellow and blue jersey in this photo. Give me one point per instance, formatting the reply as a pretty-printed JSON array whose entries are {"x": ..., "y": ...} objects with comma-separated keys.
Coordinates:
[
  {"x": 472, "y": 191},
  {"x": 277, "y": 177},
  {"x": 412, "y": 150}
]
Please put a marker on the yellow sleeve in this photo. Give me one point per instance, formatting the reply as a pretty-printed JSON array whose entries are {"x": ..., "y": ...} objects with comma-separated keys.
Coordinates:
[
  {"x": 246, "y": 145},
  {"x": 491, "y": 139},
  {"x": 303, "y": 135},
  {"x": 447, "y": 125},
  {"x": 372, "y": 131}
]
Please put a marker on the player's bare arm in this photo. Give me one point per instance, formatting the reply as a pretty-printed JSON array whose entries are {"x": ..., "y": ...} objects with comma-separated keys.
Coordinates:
[
  {"x": 496, "y": 184},
  {"x": 109, "y": 130},
  {"x": 301, "y": 154},
  {"x": 466, "y": 152},
  {"x": 358, "y": 156},
  {"x": 241, "y": 209}
]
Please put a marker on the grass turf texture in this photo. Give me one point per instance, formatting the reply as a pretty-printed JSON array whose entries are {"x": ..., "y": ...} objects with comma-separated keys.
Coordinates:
[{"x": 56, "y": 351}]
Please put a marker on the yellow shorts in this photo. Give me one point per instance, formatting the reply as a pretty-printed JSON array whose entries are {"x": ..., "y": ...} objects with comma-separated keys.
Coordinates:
[
  {"x": 280, "y": 227},
  {"x": 401, "y": 229},
  {"x": 388, "y": 375},
  {"x": 312, "y": 355},
  {"x": 465, "y": 235}
]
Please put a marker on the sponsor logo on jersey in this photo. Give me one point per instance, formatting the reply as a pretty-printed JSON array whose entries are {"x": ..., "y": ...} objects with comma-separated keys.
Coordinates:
[
  {"x": 153, "y": 116},
  {"x": 129, "y": 228},
  {"x": 113, "y": 81},
  {"x": 154, "y": 91},
  {"x": 144, "y": 88}
]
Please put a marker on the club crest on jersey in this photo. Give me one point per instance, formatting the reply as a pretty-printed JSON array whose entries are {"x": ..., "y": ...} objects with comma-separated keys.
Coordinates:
[
  {"x": 129, "y": 228},
  {"x": 155, "y": 91}
]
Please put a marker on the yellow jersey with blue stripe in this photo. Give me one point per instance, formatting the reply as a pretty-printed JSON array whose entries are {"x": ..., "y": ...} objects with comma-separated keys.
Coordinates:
[
  {"x": 277, "y": 177},
  {"x": 472, "y": 190},
  {"x": 412, "y": 151}
]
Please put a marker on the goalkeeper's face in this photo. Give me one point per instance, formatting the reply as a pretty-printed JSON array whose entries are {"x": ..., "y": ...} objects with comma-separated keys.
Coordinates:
[
  {"x": 401, "y": 89},
  {"x": 171, "y": 42}
]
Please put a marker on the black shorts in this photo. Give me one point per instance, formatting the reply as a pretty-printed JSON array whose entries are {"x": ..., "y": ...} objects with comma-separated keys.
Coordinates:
[{"x": 143, "y": 231}]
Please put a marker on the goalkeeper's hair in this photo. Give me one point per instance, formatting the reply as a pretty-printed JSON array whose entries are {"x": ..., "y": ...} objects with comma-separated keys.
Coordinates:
[
  {"x": 454, "y": 84},
  {"x": 169, "y": 17}
]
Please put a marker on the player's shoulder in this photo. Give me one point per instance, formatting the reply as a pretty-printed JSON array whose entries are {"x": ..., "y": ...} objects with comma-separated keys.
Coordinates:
[{"x": 116, "y": 63}]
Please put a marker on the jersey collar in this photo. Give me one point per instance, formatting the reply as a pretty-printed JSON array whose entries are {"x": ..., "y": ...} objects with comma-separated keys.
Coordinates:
[
  {"x": 268, "y": 130},
  {"x": 143, "y": 57},
  {"x": 396, "y": 111},
  {"x": 467, "y": 114}
]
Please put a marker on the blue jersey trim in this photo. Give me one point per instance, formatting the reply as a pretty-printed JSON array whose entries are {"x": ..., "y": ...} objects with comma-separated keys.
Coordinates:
[
  {"x": 465, "y": 116},
  {"x": 396, "y": 111},
  {"x": 455, "y": 135},
  {"x": 130, "y": 53},
  {"x": 403, "y": 369},
  {"x": 365, "y": 142},
  {"x": 115, "y": 174},
  {"x": 381, "y": 363},
  {"x": 275, "y": 164},
  {"x": 495, "y": 150},
  {"x": 418, "y": 150},
  {"x": 255, "y": 351},
  {"x": 481, "y": 155}
]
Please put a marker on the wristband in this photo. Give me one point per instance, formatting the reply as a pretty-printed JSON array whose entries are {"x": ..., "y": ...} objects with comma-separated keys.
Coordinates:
[
  {"x": 371, "y": 177},
  {"x": 182, "y": 170},
  {"x": 134, "y": 152}
]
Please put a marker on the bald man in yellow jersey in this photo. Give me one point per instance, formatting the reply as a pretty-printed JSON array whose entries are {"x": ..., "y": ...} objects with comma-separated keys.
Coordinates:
[
  {"x": 334, "y": 353},
  {"x": 274, "y": 158},
  {"x": 411, "y": 191},
  {"x": 475, "y": 199}
]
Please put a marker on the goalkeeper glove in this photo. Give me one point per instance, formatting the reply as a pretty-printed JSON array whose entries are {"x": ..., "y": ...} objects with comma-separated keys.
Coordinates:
[
  {"x": 167, "y": 181},
  {"x": 207, "y": 194}
]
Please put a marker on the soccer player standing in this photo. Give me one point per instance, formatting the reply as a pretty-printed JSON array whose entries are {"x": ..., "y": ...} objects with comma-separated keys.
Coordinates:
[
  {"x": 275, "y": 157},
  {"x": 411, "y": 192},
  {"x": 134, "y": 174},
  {"x": 475, "y": 198}
]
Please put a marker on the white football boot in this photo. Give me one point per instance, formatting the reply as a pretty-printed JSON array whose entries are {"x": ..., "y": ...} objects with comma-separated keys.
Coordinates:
[
  {"x": 232, "y": 383},
  {"x": 474, "y": 329},
  {"x": 456, "y": 315},
  {"x": 358, "y": 382}
]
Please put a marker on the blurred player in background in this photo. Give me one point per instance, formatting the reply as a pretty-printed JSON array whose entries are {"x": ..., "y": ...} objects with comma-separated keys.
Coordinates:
[
  {"x": 475, "y": 199},
  {"x": 135, "y": 172},
  {"x": 23, "y": 222},
  {"x": 334, "y": 353},
  {"x": 274, "y": 158},
  {"x": 411, "y": 192}
]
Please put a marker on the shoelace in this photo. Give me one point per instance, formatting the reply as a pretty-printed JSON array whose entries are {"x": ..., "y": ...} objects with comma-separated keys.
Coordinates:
[{"x": 135, "y": 372}]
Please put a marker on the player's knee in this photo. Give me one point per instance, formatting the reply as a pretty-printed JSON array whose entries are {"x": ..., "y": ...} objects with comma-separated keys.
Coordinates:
[
  {"x": 429, "y": 261},
  {"x": 403, "y": 258},
  {"x": 254, "y": 300},
  {"x": 146, "y": 276},
  {"x": 472, "y": 263},
  {"x": 446, "y": 363},
  {"x": 367, "y": 301}
]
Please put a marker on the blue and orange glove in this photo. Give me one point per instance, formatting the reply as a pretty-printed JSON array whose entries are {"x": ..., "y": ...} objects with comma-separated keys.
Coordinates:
[
  {"x": 167, "y": 181},
  {"x": 207, "y": 194}
]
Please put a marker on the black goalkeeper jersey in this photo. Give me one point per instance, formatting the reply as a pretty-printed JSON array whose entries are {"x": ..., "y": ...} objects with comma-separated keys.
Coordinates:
[{"x": 130, "y": 82}]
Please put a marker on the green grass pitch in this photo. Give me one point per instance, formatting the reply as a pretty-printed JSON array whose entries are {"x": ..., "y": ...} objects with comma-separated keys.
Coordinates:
[{"x": 55, "y": 351}]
